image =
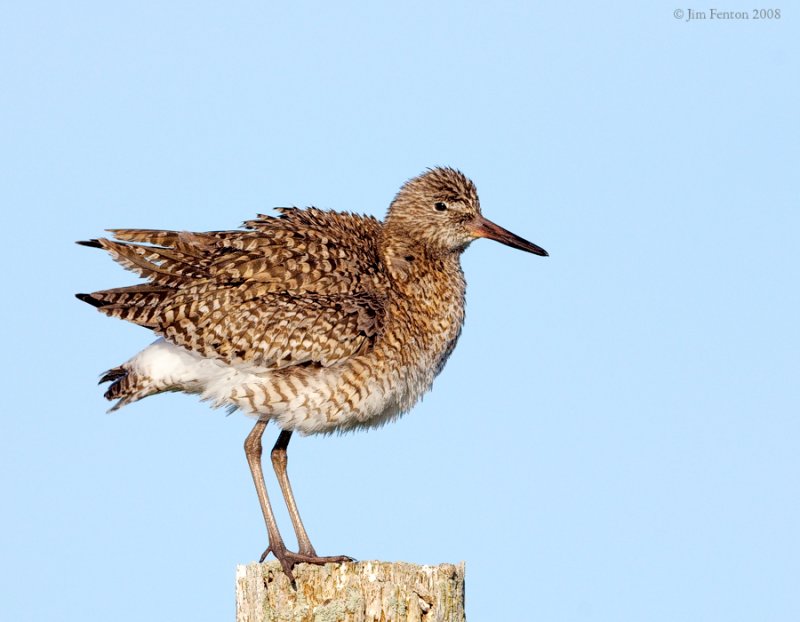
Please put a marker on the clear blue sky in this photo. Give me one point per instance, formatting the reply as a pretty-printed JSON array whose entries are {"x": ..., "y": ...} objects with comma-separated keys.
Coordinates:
[{"x": 617, "y": 435}]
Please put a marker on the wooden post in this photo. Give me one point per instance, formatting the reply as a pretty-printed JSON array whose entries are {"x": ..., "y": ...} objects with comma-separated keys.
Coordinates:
[{"x": 351, "y": 592}]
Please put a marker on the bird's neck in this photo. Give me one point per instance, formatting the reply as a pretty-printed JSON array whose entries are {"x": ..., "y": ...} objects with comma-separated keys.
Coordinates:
[
  {"x": 426, "y": 302},
  {"x": 407, "y": 259}
]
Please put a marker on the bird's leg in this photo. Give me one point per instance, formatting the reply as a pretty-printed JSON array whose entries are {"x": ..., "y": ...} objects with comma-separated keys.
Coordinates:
[
  {"x": 279, "y": 461},
  {"x": 306, "y": 551},
  {"x": 252, "y": 450}
]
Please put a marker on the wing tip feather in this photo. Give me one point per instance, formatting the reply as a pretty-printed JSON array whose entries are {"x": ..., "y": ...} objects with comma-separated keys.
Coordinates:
[
  {"x": 90, "y": 299},
  {"x": 93, "y": 243}
]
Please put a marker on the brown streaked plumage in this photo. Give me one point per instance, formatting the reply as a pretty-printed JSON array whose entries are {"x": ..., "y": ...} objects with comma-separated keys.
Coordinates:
[{"x": 319, "y": 321}]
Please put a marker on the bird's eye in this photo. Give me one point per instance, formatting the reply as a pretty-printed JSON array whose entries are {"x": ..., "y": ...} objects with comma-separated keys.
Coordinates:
[{"x": 439, "y": 206}]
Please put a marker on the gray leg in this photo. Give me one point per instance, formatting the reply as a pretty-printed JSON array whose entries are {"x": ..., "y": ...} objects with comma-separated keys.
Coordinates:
[
  {"x": 279, "y": 461},
  {"x": 252, "y": 449},
  {"x": 306, "y": 553}
]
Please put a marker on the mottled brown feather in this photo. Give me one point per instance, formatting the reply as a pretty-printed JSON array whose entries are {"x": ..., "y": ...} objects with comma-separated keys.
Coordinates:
[
  {"x": 294, "y": 289},
  {"x": 319, "y": 320}
]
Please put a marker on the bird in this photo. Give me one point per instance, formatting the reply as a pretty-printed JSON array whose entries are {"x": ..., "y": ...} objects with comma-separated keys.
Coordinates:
[{"x": 318, "y": 321}]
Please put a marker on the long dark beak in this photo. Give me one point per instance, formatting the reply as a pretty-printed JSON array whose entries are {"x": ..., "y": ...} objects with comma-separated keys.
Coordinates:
[{"x": 487, "y": 229}]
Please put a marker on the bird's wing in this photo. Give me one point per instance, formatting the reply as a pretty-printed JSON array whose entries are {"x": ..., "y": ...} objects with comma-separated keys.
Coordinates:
[
  {"x": 298, "y": 289},
  {"x": 271, "y": 330},
  {"x": 308, "y": 250}
]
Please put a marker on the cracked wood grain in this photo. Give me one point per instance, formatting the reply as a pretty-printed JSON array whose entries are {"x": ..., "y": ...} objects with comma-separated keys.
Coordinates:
[{"x": 369, "y": 591}]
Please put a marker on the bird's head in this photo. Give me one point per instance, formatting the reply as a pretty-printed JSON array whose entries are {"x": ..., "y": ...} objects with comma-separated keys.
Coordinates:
[{"x": 440, "y": 209}]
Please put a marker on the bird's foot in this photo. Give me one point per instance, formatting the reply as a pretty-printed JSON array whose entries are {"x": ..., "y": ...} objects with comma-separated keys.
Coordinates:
[{"x": 289, "y": 559}]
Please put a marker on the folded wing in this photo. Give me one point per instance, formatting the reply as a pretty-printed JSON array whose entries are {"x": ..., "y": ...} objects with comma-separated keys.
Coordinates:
[{"x": 293, "y": 290}]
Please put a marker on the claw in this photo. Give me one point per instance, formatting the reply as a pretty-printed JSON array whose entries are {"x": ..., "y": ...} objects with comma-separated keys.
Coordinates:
[
  {"x": 287, "y": 570},
  {"x": 288, "y": 559}
]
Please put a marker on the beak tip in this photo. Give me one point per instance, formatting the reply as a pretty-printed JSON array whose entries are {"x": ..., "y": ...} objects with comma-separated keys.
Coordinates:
[{"x": 487, "y": 229}]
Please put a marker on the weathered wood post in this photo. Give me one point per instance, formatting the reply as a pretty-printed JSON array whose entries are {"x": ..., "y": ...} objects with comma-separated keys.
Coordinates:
[{"x": 352, "y": 592}]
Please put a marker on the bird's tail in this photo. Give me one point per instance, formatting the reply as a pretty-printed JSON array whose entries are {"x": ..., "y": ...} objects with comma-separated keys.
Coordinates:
[{"x": 126, "y": 386}]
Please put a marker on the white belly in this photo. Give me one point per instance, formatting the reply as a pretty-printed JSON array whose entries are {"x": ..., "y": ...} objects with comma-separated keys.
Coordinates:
[{"x": 324, "y": 401}]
